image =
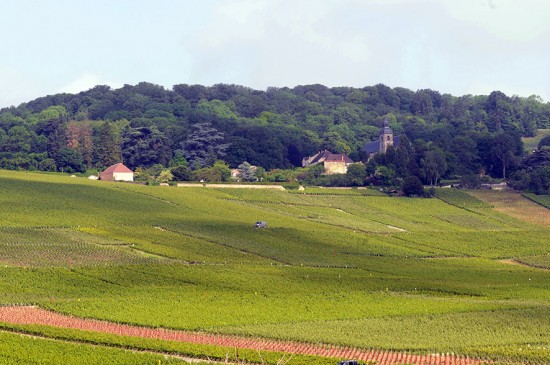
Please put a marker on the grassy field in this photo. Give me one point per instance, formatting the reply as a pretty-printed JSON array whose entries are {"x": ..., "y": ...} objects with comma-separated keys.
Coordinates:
[
  {"x": 531, "y": 143},
  {"x": 423, "y": 275}
]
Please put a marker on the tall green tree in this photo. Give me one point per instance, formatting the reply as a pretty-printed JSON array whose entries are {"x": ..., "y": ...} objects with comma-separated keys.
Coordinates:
[
  {"x": 203, "y": 144},
  {"x": 106, "y": 146},
  {"x": 357, "y": 174},
  {"x": 145, "y": 147},
  {"x": 18, "y": 140},
  {"x": 434, "y": 165},
  {"x": 68, "y": 160}
]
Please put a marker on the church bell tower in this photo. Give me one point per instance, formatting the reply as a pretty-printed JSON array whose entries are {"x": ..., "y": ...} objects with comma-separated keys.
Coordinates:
[{"x": 386, "y": 137}]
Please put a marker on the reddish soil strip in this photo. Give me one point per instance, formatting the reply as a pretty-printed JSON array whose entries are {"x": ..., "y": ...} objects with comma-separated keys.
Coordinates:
[{"x": 35, "y": 315}]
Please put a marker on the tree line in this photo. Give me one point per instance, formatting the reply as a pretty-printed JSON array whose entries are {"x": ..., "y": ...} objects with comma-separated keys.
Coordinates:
[{"x": 147, "y": 126}]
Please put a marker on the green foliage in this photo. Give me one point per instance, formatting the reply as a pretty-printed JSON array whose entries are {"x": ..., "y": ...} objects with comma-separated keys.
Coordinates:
[
  {"x": 383, "y": 176},
  {"x": 433, "y": 166},
  {"x": 17, "y": 140},
  {"x": 106, "y": 146},
  {"x": 204, "y": 146},
  {"x": 216, "y": 173},
  {"x": 165, "y": 176},
  {"x": 470, "y": 181},
  {"x": 246, "y": 173},
  {"x": 412, "y": 186},
  {"x": 533, "y": 174},
  {"x": 151, "y": 173},
  {"x": 144, "y": 147},
  {"x": 275, "y": 128},
  {"x": 181, "y": 173},
  {"x": 178, "y": 160},
  {"x": 357, "y": 174},
  {"x": 544, "y": 142},
  {"x": 68, "y": 160},
  {"x": 279, "y": 175}
]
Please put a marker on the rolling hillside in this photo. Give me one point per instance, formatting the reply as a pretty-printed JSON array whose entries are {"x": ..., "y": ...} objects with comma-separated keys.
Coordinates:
[{"x": 424, "y": 275}]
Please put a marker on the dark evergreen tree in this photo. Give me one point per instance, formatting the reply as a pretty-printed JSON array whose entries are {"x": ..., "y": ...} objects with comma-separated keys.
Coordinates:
[
  {"x": 203, "y": 144},
  {"x": 145, "y": 147}
]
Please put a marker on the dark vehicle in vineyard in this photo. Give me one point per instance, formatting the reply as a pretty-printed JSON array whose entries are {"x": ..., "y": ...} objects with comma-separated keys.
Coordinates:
[{"x": 348, "y": 362}]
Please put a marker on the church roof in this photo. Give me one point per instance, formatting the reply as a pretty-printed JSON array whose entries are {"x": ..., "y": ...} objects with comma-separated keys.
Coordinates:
[
  {"x": 371, "y": 147},
  {"x": 374, "y": 146},
  {"x": 396, "y": 141}
]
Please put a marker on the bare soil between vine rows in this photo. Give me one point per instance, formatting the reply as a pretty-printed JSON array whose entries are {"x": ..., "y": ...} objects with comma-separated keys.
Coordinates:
[{"x": 39, "y": 316}]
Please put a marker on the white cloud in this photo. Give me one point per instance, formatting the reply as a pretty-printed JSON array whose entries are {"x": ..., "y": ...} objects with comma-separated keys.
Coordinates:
[
  {"x": 277, "y": 42},
  {"x": 449, "y": 45},
  {"x": 508, "y": 19},
  {"x": 85, "y": 82},
  {"x": 244, "y": 19}
]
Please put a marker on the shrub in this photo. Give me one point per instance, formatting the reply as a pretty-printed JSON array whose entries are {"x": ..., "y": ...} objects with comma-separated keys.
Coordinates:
[{"x": 413, "y": 186}]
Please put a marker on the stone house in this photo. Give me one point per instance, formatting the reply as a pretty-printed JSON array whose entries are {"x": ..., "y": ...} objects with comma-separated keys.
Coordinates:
[
  {"x": 337, "y": 163},
  {"x": 334, "y": 163}
]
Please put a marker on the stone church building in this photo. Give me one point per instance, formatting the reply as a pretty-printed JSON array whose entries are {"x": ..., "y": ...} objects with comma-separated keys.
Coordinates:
[{"x": 386, "y": 139}]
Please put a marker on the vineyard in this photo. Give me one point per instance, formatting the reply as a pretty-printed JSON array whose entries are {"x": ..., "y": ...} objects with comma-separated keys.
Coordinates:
[
  {"x": 543, "y": 200},
  {"x": 33, "y": 315},
  {"x": 347, "y": 269}
]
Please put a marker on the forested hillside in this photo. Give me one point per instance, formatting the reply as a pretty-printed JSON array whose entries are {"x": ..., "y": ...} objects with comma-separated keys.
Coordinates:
[{"x": 147, "y": 125}]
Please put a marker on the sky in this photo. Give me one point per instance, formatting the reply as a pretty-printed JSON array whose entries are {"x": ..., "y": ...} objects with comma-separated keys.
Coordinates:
[{"x": 452, "y": 46}]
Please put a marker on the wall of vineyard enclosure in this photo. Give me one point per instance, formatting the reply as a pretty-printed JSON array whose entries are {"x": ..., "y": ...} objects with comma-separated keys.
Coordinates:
[{"x": 419, "y": 276}]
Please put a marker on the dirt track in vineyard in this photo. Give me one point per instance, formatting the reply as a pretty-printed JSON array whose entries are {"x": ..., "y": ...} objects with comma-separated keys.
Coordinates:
[{"x": 35, "y": 315}]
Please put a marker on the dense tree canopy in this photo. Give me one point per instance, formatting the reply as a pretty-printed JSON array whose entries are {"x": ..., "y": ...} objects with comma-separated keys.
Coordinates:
[{"x": 145, "y": 125}]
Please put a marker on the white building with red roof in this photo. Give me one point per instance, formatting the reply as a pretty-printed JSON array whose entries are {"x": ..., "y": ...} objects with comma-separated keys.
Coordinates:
[{"x": 117, "y": 172}]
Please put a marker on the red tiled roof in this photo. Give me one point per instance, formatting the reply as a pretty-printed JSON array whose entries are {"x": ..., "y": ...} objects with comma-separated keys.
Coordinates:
[
  {"x": 119, "y": 167},
  {"x": 338, "y": 157},
  {"x": 320, "y": 157}
]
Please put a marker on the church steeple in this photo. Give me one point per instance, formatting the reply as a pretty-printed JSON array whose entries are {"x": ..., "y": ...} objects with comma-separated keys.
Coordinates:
[{"x": 386, "y": 136}]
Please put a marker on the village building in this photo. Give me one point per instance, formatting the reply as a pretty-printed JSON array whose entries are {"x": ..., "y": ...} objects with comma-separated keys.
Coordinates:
[
  {"x": 337, "y": 164},
  {"x": 117, "y": 172},
  {"x": 385, "y": 140},
  {"x": 334, "y": 163},
  {"x": 319, "y": 157}
]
